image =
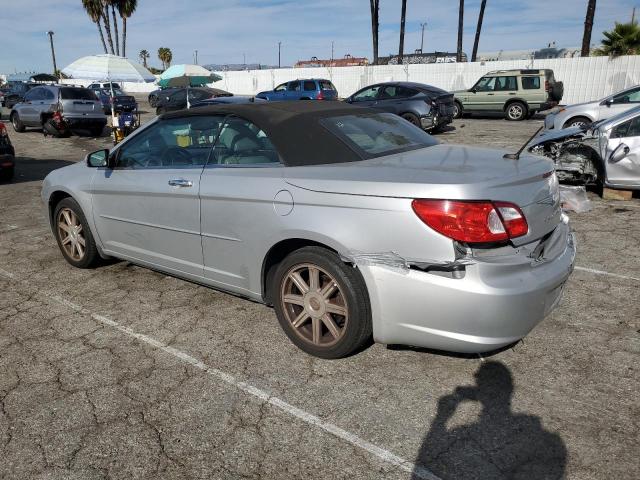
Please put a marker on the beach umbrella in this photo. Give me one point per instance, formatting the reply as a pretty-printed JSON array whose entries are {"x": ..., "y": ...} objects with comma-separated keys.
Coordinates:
[
  {"x": 187, "y": 76},
  {"x": 110, "y": 68}
]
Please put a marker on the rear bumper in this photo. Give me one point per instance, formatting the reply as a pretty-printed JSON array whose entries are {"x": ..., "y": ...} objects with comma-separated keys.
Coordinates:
[
  {"x": 86, "y": 121},
  {"x": 429, "y": 122},
  {"x": 497, "y": 302}
]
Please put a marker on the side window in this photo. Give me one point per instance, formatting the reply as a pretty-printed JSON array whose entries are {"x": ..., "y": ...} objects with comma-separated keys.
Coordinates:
[
  {"x": 93, "y": 86},
  {"x": 396, "y": 91},
  {"x": 506, "y": 84},
  {"x": 294, "y": 86},
  {"x": 367, "y": 94},
  {"x": 485, "y": 84},
  {"x": 280, "y": 88},
  {"x": 33, "y": 95},
  {"x": 243, "y": 143},
  {"x": 630, "y": 96},
  {"x": 174, "y": 143},
  {"x": 309, "y": 86},
  {"x": 530, "y": 83},
  {"x": 179, "y": 97},
  {"x": 630, "y": 128}
]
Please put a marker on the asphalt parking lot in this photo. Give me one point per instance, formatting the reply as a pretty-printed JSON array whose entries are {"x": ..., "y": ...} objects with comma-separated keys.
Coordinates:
[{"x": 122, "y": 372}]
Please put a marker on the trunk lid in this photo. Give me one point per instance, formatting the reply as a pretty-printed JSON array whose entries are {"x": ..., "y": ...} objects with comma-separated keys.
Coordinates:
[{"x": 446, "y": 172}]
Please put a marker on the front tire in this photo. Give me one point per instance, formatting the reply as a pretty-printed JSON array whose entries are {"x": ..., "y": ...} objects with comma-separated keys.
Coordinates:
[
  {"x": 73, "y": 235},
  {"x": 322, "y": 303},
  {"x": 576, "y": 122},
  {"x": 457, "y": 110},
  {"x": 18, "y": 126},
  {"x": 516, "y": 111}
]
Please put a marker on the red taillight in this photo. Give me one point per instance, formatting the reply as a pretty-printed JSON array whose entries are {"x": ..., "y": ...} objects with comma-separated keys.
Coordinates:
[
  {"x": 471, "y": 221},
  {"x": 320, "y": 95},
  {"x": 3, "y": 130}
]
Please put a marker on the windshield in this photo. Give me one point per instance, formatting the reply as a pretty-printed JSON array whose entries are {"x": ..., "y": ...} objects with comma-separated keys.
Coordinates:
[
  {"x": 377, "y": 134},
  {"x": 69, "y": 93}
]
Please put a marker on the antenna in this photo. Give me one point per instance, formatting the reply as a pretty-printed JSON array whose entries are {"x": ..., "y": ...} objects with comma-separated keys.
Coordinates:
[{"x": 516, "y": 156}]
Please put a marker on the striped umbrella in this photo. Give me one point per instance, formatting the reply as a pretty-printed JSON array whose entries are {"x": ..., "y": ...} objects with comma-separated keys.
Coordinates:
[
  {"x": 108, "y": 68},
  {"x": 187, "y": 76}
]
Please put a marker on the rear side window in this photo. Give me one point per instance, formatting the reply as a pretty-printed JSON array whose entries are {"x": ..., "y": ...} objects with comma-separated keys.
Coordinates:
[
  {"x": 530, "y": 83},
  {"x": 396, "y": 91},
  {"x": 373, "y": 135},
  {"x": 309, "y": 86},
  {"x": 47, "y": 94},
  {"x": 326, "y": 85},
  {"x": 69, "y": 93},
  {"x": 506, "y": 83}
]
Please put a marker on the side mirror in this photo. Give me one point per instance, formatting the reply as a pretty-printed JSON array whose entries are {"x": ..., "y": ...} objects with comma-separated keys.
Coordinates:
[
  {"x": 349, "y": 100},
  {"x": 473, "y": 90},
  {"x": 619, "y": 153},
  {"x": 99, "y": 158},
  {"x": 607, "y": 102}
]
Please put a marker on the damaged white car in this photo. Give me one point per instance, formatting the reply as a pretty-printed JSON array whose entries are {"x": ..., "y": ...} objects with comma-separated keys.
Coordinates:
[{"x": 604, "y": 153}]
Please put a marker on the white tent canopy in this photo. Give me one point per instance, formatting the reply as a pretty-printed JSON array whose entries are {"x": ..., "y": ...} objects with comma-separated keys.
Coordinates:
[{"x": 108, "y": 68}]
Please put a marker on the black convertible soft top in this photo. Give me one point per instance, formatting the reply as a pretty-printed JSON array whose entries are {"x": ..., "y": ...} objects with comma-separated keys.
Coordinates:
[{"x": 292, "y": 127}]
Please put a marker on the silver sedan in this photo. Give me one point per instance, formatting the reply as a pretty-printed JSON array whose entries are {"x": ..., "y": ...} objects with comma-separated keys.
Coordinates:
[
  {"x": 606, "y": 152},
  {"x": 354, "y": 224}
]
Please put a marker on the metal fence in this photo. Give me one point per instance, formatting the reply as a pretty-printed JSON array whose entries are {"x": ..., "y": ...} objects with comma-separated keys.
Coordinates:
[{"x": 584, "y": 79}]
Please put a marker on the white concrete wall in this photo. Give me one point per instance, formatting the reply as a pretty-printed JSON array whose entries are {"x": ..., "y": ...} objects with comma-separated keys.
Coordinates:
[{"x": 584, "y": 78}]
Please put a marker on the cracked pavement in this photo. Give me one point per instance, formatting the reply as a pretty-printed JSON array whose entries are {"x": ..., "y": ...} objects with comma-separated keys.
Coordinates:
[{"x": 81, "y": 399}]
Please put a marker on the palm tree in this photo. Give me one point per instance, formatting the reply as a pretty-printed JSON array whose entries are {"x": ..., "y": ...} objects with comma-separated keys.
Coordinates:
[
  {"x": 126, "y": 9},
  {"x": 460, "y": 25},
  {"x": 403, "y": 16},
  {"x": 624, "y": 39},
  {"x": 478, "y": 29},
  {"x": 144, "y": 55},
  {"x": 112, "y": 4},
  {"x": 165, "y": 56},
  {"x": 94, "y": 10},
  {"x": 375, "y": 11},
  {"x": 588, "y": 26},
  {"x": 107, "y": 23}
]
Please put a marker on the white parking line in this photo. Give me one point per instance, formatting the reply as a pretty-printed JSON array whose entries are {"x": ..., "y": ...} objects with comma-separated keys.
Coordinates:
[
  {"x": 384, "y": 455},
  {"x": 602, "y": 272}
]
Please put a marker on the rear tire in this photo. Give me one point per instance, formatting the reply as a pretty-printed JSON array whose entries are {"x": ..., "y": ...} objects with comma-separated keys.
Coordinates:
[
  {"x": 18, "y": 126},
  {"x": 328, "y": 300},
  {"x": 516, "y": 111},
  {"x": 411, "y": 118},
  {"x": 576, "y": 122},
  {"x": 73, "y": 235}
]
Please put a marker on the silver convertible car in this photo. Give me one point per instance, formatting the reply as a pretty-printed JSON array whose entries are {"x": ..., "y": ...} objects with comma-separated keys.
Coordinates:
[{"x": 354, "y": 224}]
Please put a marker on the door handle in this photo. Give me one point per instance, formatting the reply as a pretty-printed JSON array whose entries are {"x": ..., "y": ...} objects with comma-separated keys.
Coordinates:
[
  {"x": 512, "y": 93},
  {"x": 490, "y": 94},
  {"x": 180, "y": 182}
]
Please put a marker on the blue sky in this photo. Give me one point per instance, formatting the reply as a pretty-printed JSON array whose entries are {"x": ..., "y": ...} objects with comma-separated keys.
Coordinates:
[{"x": 222, "y": 31}]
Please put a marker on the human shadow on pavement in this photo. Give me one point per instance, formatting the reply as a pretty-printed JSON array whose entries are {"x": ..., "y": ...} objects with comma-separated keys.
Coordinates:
[{"x": 501, "y": 444}]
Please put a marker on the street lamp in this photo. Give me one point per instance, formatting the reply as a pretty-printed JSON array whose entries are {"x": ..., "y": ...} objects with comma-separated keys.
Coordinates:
[
  {"x": 422, "y": 39},
  {"x": 53, "y": 54}
]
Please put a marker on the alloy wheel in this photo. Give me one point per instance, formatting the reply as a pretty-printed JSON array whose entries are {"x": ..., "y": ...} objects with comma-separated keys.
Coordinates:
[
  {"x": 71, "y": 234},
  {"x": 314, "y": 305},
  {"x": 516, "y": 111}
]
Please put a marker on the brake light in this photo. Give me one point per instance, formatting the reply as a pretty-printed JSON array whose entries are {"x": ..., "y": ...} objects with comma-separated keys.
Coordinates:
[
  {"x": 320, "y": 95},
  {"x": 3, "y": 130},
  {"x": 472, "y": 221}
]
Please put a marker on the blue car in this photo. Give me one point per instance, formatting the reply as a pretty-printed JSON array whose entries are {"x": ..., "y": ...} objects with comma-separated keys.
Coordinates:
[
  {"x": 309, "y": 89},
  {"x": 121, "y": 101}
]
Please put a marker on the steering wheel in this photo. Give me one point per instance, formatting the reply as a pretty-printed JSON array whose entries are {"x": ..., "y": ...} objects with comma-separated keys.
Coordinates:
[{"x": 173, "y": 153}]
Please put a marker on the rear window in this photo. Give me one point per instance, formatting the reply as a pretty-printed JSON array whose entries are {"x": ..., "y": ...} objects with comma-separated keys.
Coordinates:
[
  {"x": 373, "y": 135},
  {"x": 530, "y": 83},
  {"x": 326, "y": 85},
  {"x": 309, "y": 86},
  {"x": 68, "y": 93}
]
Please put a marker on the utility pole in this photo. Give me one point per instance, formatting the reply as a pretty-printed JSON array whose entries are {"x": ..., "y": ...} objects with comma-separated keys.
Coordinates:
[
  {"x": 422, "y": 37},
  {"x": 196, "y": 57},
  {"x": 279, "y": 45},
  {"x": 53, "y": 54},
  {"x": 460, "y": 27},
  {"x": 633, "y": 15},
  {"x": 402, "y": 19},
  {"x": 588, "y": 26},
  {"x": 331, "y": 51},
  {"x": 478, "y": 29}
]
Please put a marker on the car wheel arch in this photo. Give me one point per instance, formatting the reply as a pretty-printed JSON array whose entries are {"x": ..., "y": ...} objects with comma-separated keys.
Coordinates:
[
  {"x": 54, "y": 199},
  {"x": 277, "y": 253},
  {"x": 516, "y": 99}
]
